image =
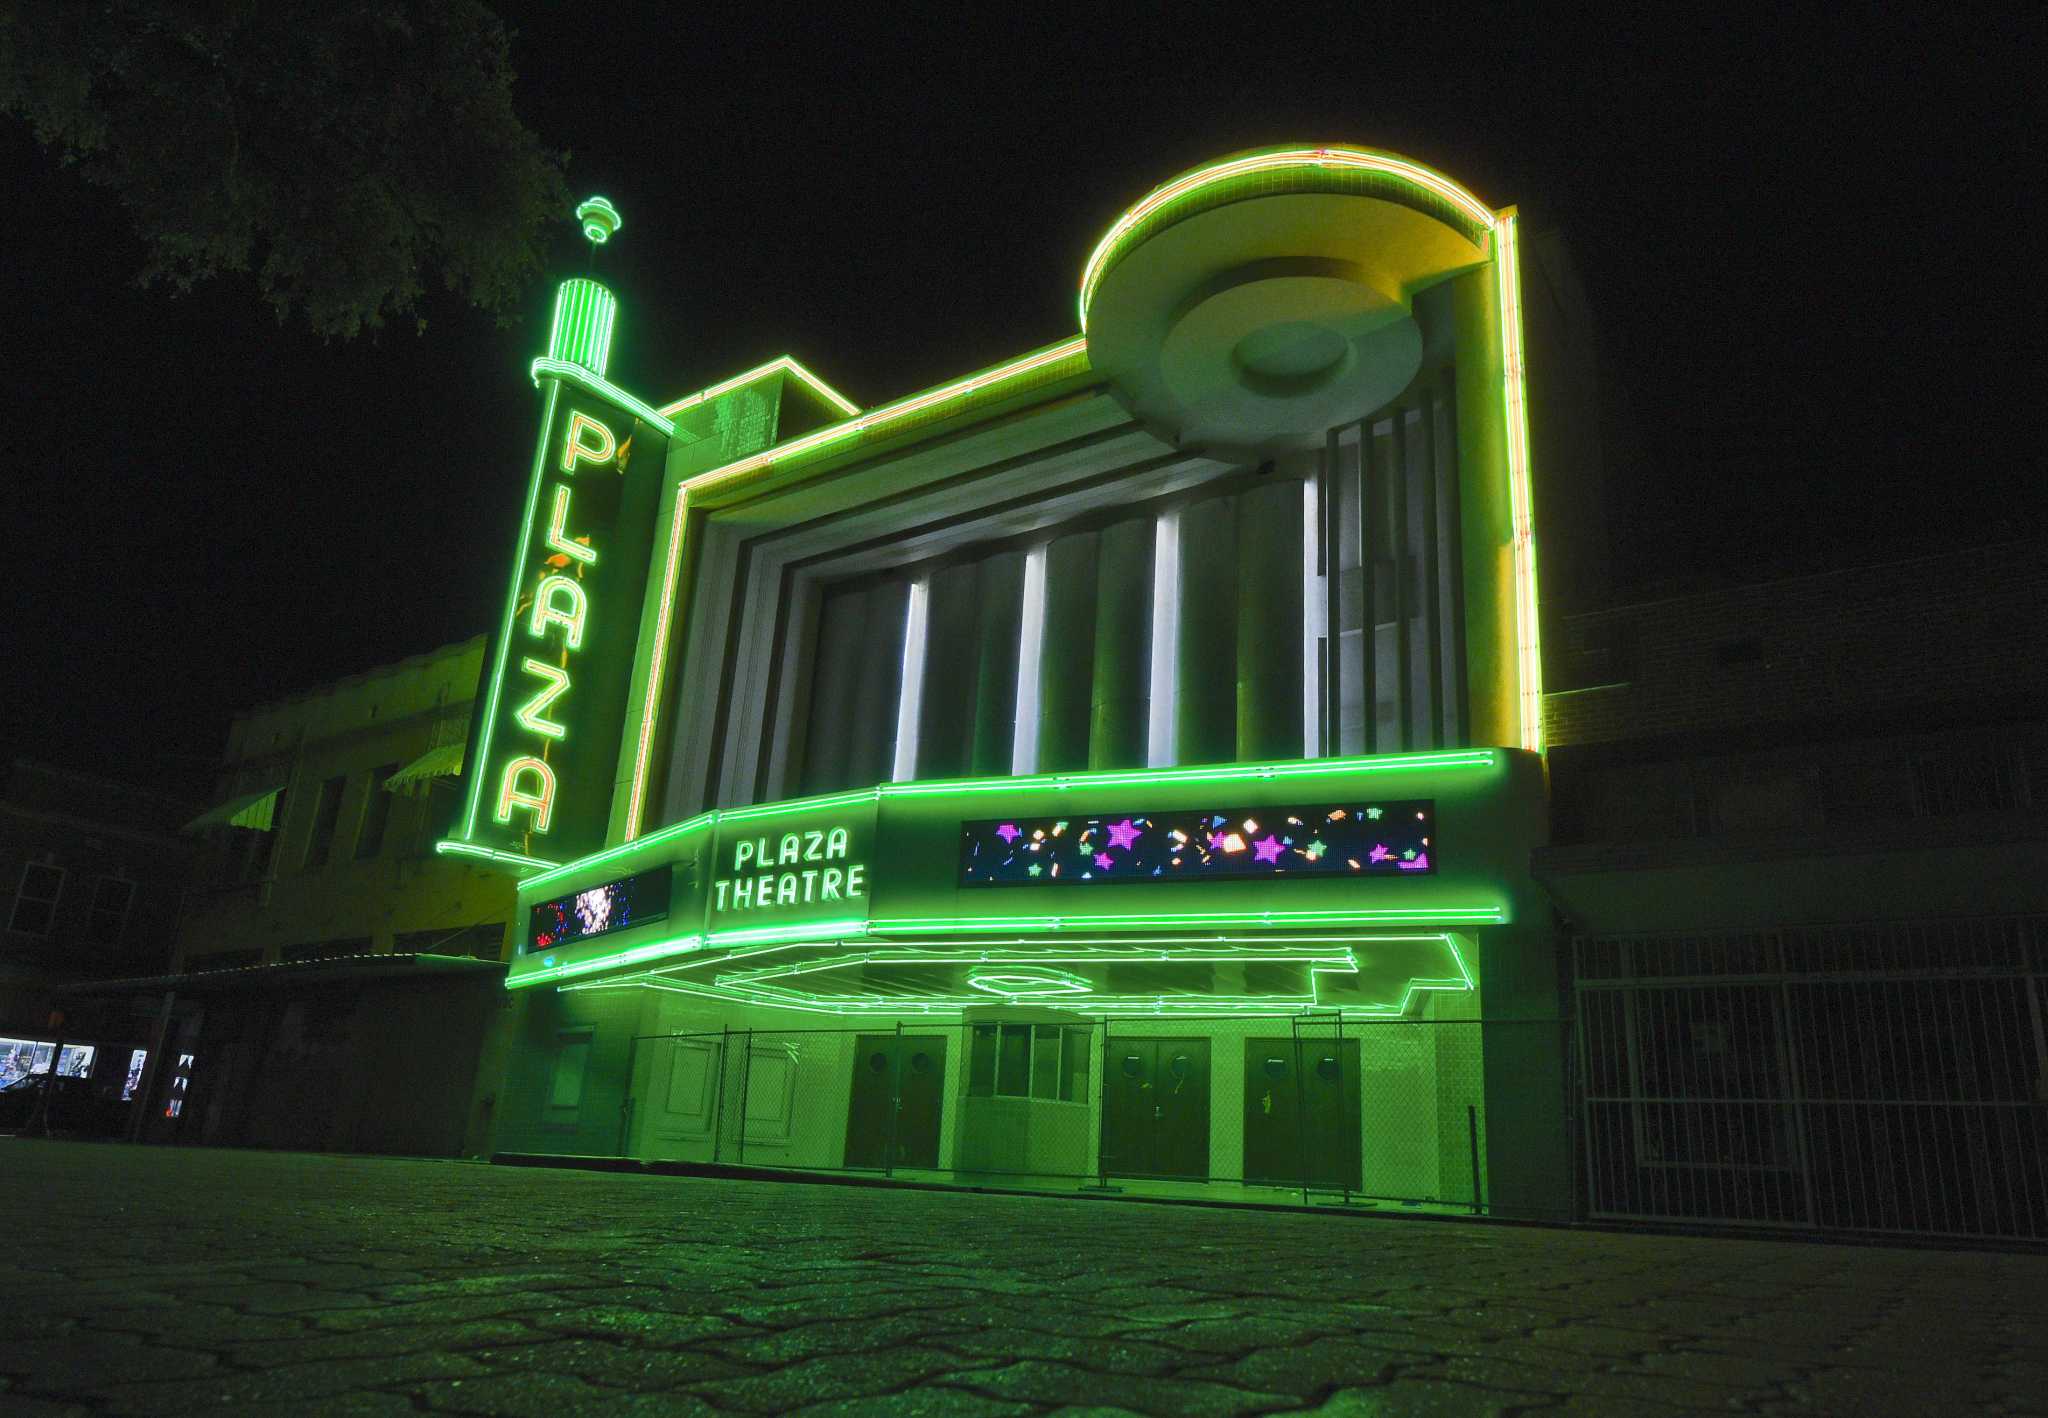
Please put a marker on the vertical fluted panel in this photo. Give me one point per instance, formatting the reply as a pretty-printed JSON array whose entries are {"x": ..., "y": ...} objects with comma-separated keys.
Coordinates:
[
  {"x": 952, "y": 666},
  {"x": 1066, "y": 668},
  {"x": 1120, "y": 695},
  {"x": 1205, "y": 710},
  {"x": 835, "y": 673},
  {"x": 871, "y": 718},
  {"x": 1268, "y": 629},
  {"x": 999, "y": 603}
]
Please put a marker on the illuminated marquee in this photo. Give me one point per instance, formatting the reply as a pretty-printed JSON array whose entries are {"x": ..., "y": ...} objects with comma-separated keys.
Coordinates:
[
  {"x": 796, "y": 868},
  {"x": 790, "y": 869}
]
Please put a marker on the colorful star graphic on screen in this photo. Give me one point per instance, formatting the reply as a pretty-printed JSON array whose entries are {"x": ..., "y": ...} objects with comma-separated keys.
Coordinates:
[{"x": 1267, "y": 841}]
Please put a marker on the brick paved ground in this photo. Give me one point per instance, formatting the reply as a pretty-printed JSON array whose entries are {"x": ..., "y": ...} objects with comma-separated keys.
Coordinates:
[{"x": 153, "y": 1280}]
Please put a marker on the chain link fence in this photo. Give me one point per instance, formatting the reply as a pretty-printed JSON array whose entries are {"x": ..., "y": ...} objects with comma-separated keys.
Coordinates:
[{"x": 1287, "y": 1107}]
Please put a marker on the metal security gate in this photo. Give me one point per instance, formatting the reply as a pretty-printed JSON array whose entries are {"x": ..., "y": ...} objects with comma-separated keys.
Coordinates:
[{"x": 1890, "y": 1077}]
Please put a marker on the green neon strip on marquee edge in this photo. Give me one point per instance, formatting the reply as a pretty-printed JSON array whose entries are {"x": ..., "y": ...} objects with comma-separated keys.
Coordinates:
[
  {"x": 641, "y": 847},
  {"x": 817, "y": 932}
]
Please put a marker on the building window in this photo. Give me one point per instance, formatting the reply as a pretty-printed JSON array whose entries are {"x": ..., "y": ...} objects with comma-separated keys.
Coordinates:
[
  {"x": 326, "y": 817},
  {"x": 35, "y": 902},
  {"x": 1048, "y": 1061},
  {"x": 376, "y": 814},
  {"x": 112, "y": 897}
]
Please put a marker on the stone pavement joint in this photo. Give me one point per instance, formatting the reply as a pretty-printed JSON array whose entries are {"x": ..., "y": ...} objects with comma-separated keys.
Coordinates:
[{"x": 160, "y": 1280}]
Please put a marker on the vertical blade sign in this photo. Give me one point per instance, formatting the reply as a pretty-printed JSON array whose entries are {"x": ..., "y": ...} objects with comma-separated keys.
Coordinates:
[{"x": 544, "y": 757}]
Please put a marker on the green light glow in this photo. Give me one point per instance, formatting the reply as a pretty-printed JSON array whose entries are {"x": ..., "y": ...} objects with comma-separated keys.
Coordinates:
[
  {"x": 783, "y": 364},
  {"x": 657, "y": 661},
  {"x": 570, "y": 617},
  {"x": 799, "y": 805},
  {"x": 808, "y": 931},
  {"x": 1026, "y": 984},
  {"x": 1159, "y": 920},
  {"x": 448, "y": 847},
  {"x": 600, "y": 219},
  {"x": 1213, "y": 773},
  {"x": 532, "y": 715},
  {"x": 894, "y": 413},
  {"x": 571, "y": 373},
  {"x": 558, "y": 538},
  {"x": 585, "y": 313},
  {"x": 1022, "y": 961},
  {"x": 538, "y": 800},
  {"x": 575, "y": 450},
  {"x": 1190, "y": 185},
  {"x": 480, "y": 761},
  {"x": 1051, "y": 782},
  {"x": 659, "y": 950},
  {"x": 827, "y": 932}
]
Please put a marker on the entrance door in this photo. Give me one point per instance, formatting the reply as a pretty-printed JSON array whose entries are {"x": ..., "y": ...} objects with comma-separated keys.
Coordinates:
[
  {"x": 904, "y": 1076},
  {"x": 675, "y": 1096},
  {"x": 1301, "y": 1110},
  {"x": 1155, "y": 1119}
]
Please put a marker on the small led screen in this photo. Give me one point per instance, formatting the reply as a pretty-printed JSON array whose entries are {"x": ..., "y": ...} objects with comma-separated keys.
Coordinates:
[
  {"x": 1200, "y": 844},
  {"x": 599, "y": 910}
]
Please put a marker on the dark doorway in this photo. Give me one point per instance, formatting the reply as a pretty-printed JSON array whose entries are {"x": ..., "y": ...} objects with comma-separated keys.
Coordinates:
[
  {"x": 899, "y": 1086},
  {"x": 1301, "y": 1110},
  {"x": 1155, "y": 1115}
]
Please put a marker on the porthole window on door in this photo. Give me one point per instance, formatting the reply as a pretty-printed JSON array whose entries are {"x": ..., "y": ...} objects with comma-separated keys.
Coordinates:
[
  {"x": 1180, "y": 1065},
  {"x": 1134, "y": 1066},
  {"x": 1276, "y": 1067},
  {"x": 878, "y": 1061},
  {"x": 1326, "y": 1068},
  {"x": 920, "y": 1063}
]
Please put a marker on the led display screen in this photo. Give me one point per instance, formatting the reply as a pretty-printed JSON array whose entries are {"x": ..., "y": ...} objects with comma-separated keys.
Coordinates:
[
  {"x": 1200, "y": 844},
  {"x": 599, "y": 910}
]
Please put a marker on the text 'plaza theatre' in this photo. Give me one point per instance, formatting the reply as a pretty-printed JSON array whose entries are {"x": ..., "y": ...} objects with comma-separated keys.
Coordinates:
[{"x": 1115, "y": 768}]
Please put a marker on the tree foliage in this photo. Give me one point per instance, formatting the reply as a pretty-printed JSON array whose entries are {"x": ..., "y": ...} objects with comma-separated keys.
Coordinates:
[{"x": 341, "y": 152}]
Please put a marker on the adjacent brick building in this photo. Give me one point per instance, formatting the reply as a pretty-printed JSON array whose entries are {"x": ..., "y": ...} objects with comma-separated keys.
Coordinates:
[{"x": 1801, "y": 851}]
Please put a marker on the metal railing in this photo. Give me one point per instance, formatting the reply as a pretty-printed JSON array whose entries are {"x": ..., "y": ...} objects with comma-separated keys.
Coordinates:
[
  {"x": 1301, "y": 1107},
  {"x": 1890, "y": 1077}
]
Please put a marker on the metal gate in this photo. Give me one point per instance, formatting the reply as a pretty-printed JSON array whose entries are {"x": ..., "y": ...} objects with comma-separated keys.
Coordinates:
[{"x": 1886, "y": 1077}]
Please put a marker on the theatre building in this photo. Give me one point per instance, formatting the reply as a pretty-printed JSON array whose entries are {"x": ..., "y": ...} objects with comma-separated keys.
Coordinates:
[{"x": 1119, "y": 767}]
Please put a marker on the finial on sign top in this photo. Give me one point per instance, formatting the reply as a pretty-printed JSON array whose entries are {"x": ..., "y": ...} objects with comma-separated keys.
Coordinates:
[{"x": 600, "y": 220}]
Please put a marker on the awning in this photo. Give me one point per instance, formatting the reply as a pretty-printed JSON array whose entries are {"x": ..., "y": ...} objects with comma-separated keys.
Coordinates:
[
  {"x": 442, "y": 762},
  {"x": 255, "y": 810}
]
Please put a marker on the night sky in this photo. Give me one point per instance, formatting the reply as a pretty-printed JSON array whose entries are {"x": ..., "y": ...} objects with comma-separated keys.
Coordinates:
[{"x": 1810, "y": 252}]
